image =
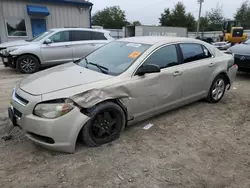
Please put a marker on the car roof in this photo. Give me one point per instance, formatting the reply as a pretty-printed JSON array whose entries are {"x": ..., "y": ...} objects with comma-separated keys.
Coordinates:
[
  {"x": 157, "y": 39},
  {"x": 80, "y": 29}
]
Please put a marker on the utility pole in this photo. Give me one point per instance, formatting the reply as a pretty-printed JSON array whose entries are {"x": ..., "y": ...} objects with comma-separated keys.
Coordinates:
[{"x": 198, "y": 24}]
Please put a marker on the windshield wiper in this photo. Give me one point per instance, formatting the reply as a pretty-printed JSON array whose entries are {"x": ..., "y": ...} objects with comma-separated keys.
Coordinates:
[
  {"x": 100, "y": 67},
  {"x": 77, "y": 61}
]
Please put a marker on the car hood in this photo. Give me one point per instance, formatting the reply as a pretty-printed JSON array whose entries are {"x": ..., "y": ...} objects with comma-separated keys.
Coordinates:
[
  {"x": 14, "y": 43},
  {"x": 243, "y": 49},
  {"x": 59, "y": 78}
]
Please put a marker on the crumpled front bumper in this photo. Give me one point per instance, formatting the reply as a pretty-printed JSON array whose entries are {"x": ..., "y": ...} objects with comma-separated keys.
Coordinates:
[
  {"x": 8, "y": 61},
  {"x": 58, "y": 134}
]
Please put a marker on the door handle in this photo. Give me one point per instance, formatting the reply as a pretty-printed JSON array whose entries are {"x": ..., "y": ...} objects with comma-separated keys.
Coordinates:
[
  {"x": 67, "y": 46},
  {"x": 177, "y": 73},
  {"x": 211, "y": 64}
]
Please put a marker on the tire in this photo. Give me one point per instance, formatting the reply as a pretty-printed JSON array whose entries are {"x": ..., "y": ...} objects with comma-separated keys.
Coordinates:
[
  {"x": 217, "y": 89},
  {"x": 100, "y": 129},
  {"x": 27, "y": 64}
]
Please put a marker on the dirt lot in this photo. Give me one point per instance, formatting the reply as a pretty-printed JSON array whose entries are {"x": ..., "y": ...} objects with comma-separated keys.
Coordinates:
[{"x": 197, "y": 146}]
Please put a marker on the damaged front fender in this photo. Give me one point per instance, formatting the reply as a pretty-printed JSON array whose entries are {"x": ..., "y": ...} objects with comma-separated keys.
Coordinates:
[{"x": 92, "y": 97}]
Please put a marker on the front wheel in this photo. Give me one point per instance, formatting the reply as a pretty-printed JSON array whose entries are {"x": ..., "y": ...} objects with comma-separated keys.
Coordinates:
[
  {"x": 105, "y": 125},
  {"x": 217, "y": 89},
  {"x": 27, "y": 64}
]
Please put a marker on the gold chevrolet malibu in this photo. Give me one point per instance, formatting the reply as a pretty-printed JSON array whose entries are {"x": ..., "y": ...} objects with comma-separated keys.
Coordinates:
[{"x": 123, "y": 82}]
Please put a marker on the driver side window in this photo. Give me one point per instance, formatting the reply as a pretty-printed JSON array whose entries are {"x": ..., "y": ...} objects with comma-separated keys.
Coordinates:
[
  {"x": 62, "y": 36},
  {"x": 164, "y": 57}
]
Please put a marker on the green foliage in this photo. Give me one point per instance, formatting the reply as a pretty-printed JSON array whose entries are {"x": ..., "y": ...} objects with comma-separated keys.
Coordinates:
[
  {"x": 178, "y": 17},
  {"x": 243, "y": 14},
  {"x": 136, "y": 23},
  {"x": 110, "y": 18},
  {"x": 215, "y": 19},
  {"x": 204, "y": 23}
]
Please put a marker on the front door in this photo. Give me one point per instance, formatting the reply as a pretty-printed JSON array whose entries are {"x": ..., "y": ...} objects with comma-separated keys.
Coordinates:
[
  {"x": 38, "y": 26},
  {"x": 59, "y": 51},
  {"x": 157, "y": 92}
]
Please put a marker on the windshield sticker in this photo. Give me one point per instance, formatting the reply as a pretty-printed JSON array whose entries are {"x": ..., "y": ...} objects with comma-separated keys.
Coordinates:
[
  {"x": 134, "y": 45},
  {"x": 134, "y": 55}
]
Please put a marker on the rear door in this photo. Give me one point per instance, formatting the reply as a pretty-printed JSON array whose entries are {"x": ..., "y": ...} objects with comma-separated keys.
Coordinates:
[
  {"x": 59, "y": 51},
  {"x": 197, "y": 69},
  {"x": 85, "y": 42}
]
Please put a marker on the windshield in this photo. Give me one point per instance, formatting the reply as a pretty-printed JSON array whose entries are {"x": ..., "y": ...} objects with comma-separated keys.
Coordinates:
[
  {"x": 114, "y": 58},
  {"x": 40, "y": 37}
]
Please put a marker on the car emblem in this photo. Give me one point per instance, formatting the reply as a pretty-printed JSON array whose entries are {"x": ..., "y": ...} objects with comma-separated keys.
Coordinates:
[{"x": 242, "y": 58}]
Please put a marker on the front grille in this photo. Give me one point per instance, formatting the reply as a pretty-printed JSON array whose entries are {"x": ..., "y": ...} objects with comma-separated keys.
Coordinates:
[
  {"x": 241, "y": 57},
  {"x": 17, "y": 113},
  {"x": 237, "y": 33},
  {"x": 242, "y": 61},
  {"x": 24, "y": 101}
]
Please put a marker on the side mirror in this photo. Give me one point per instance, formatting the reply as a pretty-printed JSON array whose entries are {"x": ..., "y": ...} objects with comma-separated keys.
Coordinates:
[
  {"x": 48, "y": 41},
  {"x": 147, "y": 69}
]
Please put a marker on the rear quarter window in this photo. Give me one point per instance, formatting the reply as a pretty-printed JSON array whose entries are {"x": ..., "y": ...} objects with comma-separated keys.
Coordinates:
[
  {"x": 98, "y": 36},
  {"x": 194, "y": 52}
]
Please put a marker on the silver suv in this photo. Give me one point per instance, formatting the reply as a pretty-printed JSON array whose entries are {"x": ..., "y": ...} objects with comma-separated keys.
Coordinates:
[{"x": 55, "y": 46}]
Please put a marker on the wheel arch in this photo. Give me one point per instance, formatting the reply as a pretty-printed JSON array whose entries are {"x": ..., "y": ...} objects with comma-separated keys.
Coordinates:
[
  {"x": 226, "y": 77},
  {"x": 18, "y": 56},
  {"x": 87, "y": 111}
]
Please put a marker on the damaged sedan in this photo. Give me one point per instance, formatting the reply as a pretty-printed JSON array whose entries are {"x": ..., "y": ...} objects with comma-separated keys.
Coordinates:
[{"x": 94, "y": 98}]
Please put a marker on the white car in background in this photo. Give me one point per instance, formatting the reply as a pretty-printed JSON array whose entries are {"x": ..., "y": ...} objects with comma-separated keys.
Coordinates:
[
  {"x": 55, "y": 46},
  {"x": 222, "y": 45}
]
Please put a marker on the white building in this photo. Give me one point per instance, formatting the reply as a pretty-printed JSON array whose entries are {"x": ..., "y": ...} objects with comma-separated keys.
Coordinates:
[{"x": 23, "y": 19}]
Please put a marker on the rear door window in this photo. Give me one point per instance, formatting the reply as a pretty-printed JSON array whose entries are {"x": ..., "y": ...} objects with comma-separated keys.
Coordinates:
[
  {"x": 194, "y": 52},
  {"x": 80, "y": 35}
]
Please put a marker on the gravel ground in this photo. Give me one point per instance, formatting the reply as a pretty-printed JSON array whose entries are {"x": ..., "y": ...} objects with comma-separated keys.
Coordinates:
[{"x": 197, "y": 146}]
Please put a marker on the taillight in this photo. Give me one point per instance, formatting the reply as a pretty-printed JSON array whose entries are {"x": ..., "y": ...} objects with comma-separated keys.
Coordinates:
[{"x": 235, "y": 65}]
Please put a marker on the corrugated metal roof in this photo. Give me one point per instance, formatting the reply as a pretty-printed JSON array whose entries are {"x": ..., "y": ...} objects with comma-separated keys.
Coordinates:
[{"x": 72, "y": 2}]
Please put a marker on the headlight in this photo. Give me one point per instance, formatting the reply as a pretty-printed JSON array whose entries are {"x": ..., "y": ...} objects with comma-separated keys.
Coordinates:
[
  {"x": 7, "y": 51},
  {"x": 4, "y": 52},
  {"x": 53, "y": 110}
]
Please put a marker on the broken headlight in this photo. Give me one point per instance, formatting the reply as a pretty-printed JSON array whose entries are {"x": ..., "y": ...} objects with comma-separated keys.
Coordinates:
[{"x": 54, "y": 109}]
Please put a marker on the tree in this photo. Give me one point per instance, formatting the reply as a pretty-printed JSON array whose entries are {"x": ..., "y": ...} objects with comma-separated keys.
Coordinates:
[
  {"x": 178, "y": 17},
  {"x": 215, "y": 18},
  {"x": 136, "y": 23},
  {"x": 243, "y": 15},
  {"x": 204, "y": 23},
  {"x": 165, "y": 18},
  {"x": 110, "y": 18}
]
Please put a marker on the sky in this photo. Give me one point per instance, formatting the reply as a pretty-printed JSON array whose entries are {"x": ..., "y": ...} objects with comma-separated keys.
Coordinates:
[{"x": 148, "y": 11}]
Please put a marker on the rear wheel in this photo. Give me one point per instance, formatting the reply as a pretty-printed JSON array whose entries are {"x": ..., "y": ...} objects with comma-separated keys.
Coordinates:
[
  {"x": 217, "y": 89},
  {"x": 27, "y": 64},
  {"x": 106, "y": 123}
]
